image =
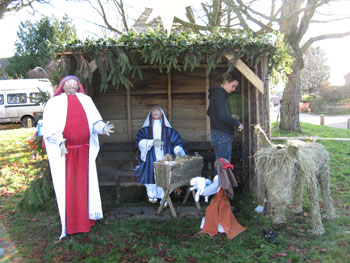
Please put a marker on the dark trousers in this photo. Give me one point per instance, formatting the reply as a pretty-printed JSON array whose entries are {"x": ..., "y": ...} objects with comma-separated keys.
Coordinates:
[{"x": 222, "y": 144}]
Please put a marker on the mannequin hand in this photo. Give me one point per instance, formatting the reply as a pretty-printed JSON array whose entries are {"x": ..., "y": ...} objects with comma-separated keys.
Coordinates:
[
  {"x": 240, "y": 127},
  {"x": 157, "y": 143},
  {"x": 63, "y": 148},
  {"x": 108, "y": 129}
]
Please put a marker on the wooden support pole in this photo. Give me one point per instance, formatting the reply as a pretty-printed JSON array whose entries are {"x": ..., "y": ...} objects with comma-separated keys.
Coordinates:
[
  {"x": 128, "y": 106},
  {"x": 322, "y": 119},
  {"x": 250, "y": 133},
  {"x": 348, "y": 124},
  {"x": 29, "y": 123},
  {"x": 169, "y": 97},
  {"x": 266, "y": 77},
  {"x": 207, "y": 86}
]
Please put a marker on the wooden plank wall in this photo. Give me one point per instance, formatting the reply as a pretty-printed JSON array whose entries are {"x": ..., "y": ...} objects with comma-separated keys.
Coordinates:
[{"x": 185, "y": 96}]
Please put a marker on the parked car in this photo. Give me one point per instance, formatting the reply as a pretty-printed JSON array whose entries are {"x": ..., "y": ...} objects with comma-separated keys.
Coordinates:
[
  {"x": 20, "y": 99},
  {"x": 276, "y": 100}
]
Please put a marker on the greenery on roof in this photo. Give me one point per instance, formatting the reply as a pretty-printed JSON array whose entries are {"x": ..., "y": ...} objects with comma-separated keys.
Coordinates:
[{"x": 118, "y": 58}]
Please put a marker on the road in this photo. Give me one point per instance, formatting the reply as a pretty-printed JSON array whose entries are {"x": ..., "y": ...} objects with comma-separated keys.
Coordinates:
[{"x": 335, "y": 121}]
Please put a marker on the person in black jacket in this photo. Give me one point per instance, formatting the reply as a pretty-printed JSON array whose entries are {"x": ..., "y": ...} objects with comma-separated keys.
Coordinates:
[{"x": 221, "y": 122}]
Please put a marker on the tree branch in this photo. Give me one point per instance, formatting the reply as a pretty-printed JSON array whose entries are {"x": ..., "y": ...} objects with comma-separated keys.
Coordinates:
[
  {"x": 7, "y": 6},
  {"x": 312, "y": 40},
  {"x": 305, "y": 20},
  {"x": 242, "y": 8},
  {"x": 195, "y": 27},
  {"x": 122, "y": 13},
  {"x": 106, "y": 20},
  {"x": 331, "y": 20}
]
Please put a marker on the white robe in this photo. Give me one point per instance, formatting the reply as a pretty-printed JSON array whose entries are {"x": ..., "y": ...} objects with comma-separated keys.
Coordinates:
[{"x": 54, "y": 121}]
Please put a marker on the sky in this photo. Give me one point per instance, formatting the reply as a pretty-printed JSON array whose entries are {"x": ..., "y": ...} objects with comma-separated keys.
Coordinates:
[{"x": 337, "y": 50}]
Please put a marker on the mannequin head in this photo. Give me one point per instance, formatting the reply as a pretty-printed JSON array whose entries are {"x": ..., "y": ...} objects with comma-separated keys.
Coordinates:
[
  {"x": 156, "y": 113},
  {"x": 70, "y": 86}
]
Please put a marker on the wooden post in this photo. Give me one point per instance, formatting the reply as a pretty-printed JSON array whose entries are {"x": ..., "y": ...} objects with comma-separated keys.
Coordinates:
[
  {"x": 128, "y": 106},
  {"x": 259, "y": 120},
  {"x": 169, "y": 97},
  {"x": 207, "y": 86},
  {"x": 250, "y": 134},
  {"x": 266, "y": 77},
  {"x": 322, "y": 119},
  {"x": 29, "y": 123},
  {"x": 348, "y": 124}
]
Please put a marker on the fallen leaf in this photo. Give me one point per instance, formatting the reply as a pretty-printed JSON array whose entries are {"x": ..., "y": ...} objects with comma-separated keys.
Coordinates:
[
  {"x": 258, "y": 254},
  {"x": 342, "y": 244}
]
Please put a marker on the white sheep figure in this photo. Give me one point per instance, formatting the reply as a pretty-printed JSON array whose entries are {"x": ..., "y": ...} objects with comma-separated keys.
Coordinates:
[{"x": 286, "y": 168}]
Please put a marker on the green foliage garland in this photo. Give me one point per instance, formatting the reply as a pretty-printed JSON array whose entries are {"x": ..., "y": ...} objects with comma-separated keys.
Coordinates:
[{"x": 118, "y": 59}]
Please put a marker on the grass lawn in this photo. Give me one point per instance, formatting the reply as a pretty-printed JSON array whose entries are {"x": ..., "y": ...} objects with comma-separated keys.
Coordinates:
[{"x": 34, "y": 233}]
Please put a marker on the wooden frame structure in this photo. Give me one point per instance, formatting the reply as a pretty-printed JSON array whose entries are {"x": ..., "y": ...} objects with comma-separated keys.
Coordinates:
[{"x": 184, "y": 98}]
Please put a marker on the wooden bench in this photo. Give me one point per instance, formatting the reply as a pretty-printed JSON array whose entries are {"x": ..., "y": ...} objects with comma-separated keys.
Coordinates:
[{"x": 118, "y": 159}]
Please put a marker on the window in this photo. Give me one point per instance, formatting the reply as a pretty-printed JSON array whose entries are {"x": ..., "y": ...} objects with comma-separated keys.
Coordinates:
[
  {"x": 1, "y": 99},
  {"x": 34, "y": 97},
  {"x": 17, "y": 98}
]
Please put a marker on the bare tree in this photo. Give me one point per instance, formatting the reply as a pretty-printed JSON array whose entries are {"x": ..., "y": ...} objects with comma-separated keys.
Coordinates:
[
  {"x": 315, "y": 71},
  {"x": 7, "y": 6},
  {"x": 293, "y": 18}
]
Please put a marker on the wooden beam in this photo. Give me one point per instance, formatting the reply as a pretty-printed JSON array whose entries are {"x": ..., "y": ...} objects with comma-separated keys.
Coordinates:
[
  {"x": 200, "y": 66},
  {"x": 207, "y": 86},
  {"x": 169, "y": 97},
  {"x": 308, "y": 138},
  {"x": 128, "y": 106},
  {"x": 248, "y": 73}
]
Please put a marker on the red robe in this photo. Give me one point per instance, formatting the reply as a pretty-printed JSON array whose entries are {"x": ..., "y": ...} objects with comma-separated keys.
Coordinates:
[{"x": 77, "y": 134}]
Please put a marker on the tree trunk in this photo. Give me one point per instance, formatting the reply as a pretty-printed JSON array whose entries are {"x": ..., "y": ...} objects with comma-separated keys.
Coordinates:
[{"x": 291, "y": 98}]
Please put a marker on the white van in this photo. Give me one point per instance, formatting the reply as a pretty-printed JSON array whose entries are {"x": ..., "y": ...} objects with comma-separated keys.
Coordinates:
[{"x": 18, "y": 98}]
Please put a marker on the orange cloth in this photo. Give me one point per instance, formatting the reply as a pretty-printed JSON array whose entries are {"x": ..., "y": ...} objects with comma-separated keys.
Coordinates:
[{"x": 219, "y": 211}]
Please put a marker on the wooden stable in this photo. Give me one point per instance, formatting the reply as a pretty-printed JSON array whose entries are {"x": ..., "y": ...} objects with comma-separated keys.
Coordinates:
[{"x": 184, "y": 98}]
